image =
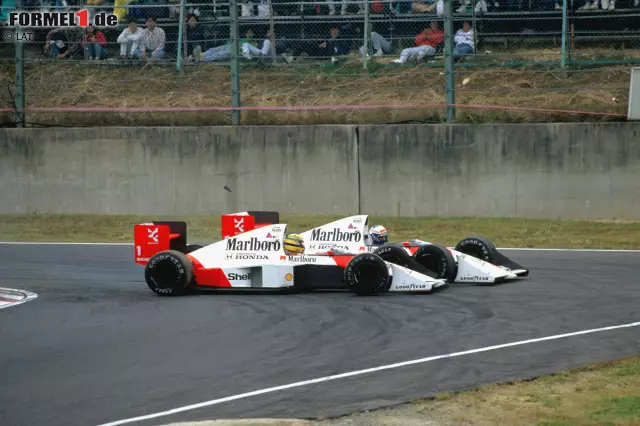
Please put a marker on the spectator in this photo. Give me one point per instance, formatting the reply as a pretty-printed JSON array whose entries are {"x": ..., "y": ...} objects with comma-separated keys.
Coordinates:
[
  {"x": 120, "y": 12},
  {"x": 345, "y": 6},
  {"x": 333, "y": 47},
  {"x": 428, "y": 6},
  {"x": 129, "y": 40},
  {"x": 152, "y": 42},
  {"x": 606, "y": 4},
  {"x": 428, "y": 43},
  {"x": 221, "y": 53},
  {"x": 249, "y": 51},
  {"x": 480, "y": 6},
  {"x": 95, "y": 45},
  {"x": 465, "y": 41},
  {"x": 65, "y": 42},
  {"x": 174, "y": 9},
  {"x": 195, "y": 36},
  {"x": 380, "y": 45}
]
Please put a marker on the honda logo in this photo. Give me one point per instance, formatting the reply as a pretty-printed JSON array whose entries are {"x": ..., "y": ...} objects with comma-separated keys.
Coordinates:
[
  {"x": 153, "y": 234},
  {"x": 239, "y": 224}
]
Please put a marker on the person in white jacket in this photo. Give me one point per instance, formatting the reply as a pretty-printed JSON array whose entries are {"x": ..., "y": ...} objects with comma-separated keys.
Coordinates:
[
  {"x": 129, "y": 40},
  {"x": 465, "y": 41}
]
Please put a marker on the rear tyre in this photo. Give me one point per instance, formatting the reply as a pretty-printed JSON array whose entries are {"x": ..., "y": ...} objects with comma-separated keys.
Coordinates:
[
  {"x": 478, "y": 247},
  {"x": 366, "y": 274},
  {"x": 438, "y": 260},
  {"x": 168, "y": 273}
]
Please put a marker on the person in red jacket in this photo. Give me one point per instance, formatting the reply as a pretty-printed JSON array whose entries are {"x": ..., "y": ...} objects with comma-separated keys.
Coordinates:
[
  {"x": 428, "y": 43},
  {"x": 95, "y": 44}
]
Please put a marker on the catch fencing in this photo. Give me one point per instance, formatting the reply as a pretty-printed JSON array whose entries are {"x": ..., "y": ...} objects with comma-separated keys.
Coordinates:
[{"x": 347, "y": 61}]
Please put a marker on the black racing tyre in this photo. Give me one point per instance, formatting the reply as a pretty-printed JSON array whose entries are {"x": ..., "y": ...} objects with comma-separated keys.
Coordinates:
[
  {"x": 394, "y": 254},
  {"x": 478, "y": 247},
  {"x": 437, "y": 259},
  {"x": 192, "y": 247},
  {"x": 168, "y": 273},
  {"x": 366, "y": 274}
]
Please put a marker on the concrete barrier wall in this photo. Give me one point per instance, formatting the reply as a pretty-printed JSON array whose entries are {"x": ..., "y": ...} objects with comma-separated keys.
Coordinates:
[
  {"x": 581, "y": 170},
  {"x": 179, "y": 170}
]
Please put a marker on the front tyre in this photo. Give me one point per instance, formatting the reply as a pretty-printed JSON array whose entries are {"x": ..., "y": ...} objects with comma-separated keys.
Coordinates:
[
  {"x": 394, "y": 254},
  {"x": 478, "y": 247},
  {"x": 438, "y": 260},
  {"x": 366, "y": 274},
  {"x": 168, "y": 273}
]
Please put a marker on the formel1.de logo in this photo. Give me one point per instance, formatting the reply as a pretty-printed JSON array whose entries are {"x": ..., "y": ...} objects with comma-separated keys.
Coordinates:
[{"x": 61, "y": 19}]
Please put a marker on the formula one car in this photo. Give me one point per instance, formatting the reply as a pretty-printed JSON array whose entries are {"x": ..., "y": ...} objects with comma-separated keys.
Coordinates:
[
  {"x": 251, "y": 257},
  {"x": 473, "y": 259}
]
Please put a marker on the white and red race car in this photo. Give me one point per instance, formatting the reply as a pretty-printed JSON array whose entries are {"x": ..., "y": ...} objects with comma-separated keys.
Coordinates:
[
  {"x": 473, "y": 259},
  {"x": 251, "y": 257},
  {"x": 337, "y": 255}
]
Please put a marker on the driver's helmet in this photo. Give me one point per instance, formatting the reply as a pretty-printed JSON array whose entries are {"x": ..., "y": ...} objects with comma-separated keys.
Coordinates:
[
  {"x": 293, "y": 244},
  {"x": 378, "y": 234}
]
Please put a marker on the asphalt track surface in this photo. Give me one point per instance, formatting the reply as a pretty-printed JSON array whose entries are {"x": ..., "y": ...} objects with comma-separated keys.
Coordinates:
[{"x": 98, "y": 346}]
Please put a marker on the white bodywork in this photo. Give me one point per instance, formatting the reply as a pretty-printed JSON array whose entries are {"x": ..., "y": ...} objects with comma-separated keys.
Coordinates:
[
  {"x": 350, "y": 234},
  {"x": 256, "y": 259}
]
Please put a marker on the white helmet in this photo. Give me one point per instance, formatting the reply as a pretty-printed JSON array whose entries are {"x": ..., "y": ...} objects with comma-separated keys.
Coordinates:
[{"x": 378, "y": 234}]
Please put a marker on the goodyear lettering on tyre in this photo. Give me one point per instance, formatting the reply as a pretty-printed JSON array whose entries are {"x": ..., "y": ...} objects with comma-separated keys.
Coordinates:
[
  {"x": 335, "y": 235},
  {"x": 478, "y": 244}
]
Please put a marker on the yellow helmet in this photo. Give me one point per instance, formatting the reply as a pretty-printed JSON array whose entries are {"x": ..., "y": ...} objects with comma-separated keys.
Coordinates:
[{"x": 293, "y": 244}]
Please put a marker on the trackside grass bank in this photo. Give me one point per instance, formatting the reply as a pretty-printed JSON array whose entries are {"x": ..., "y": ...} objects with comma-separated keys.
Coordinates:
[
  {"x": 448, "y": 231},
  {"x": 595, "y": 395},
  {"x": 600, "y": 394}
]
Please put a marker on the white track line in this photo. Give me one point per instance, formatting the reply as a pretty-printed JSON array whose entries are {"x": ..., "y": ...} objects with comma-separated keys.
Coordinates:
[
  {"x": 28, "y": 296},
  {"x": 37, "y": 243},
  {"x": 361, "y": 372}
]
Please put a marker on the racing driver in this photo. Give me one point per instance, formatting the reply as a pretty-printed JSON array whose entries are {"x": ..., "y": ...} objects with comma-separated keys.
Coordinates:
[
  {"x": 293, "y": 244},
  {"x": 378, "y": 235}
]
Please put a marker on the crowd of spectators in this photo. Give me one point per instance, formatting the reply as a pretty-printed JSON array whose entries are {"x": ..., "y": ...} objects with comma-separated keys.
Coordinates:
[
  {"x": 144, "y": 39},
  {"x": 148, "y": 44},
  {"x": 260, "y": 8}
]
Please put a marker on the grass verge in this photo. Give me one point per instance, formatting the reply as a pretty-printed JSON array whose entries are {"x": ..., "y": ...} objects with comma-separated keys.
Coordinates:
[
  {"x": 503, "y": 232},
  {"x": 597, "y": 89},
  {"x": 594, "y": 395}
]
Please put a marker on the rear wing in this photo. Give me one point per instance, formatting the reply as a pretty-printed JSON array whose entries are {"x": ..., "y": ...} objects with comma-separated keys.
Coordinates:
[
  {"x": 237, "y": 223},
  {"x": 153, "y": 237}
]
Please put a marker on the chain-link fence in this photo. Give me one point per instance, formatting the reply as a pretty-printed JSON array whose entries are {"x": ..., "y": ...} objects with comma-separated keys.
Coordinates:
[{"x": 326, "y": 61}]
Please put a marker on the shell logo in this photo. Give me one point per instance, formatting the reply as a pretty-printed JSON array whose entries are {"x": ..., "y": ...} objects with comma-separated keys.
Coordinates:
[{"x": 288, "y": 277}]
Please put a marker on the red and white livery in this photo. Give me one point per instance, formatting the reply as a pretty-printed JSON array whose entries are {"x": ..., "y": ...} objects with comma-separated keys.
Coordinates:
[{"x": 251, "y": 257}]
